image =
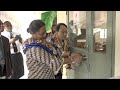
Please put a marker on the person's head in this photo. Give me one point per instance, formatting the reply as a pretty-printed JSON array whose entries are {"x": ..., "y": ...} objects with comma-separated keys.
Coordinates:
[
  {"x": 37, "y": 29},
  {"x": 53, "y": 29},
  {"x": 8, "y": 26},
  {"x": 61, "y": 29},
  {"x": 28, "y": 30},
  {"x": 1, "y": 26}
]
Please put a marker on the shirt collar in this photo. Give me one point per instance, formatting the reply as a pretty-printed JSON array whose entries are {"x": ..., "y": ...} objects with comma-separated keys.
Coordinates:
[{"x": 6, "y": 31}]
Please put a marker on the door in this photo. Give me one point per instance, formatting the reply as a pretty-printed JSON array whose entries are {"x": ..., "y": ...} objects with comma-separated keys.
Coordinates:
[{"x": 90, "y": 33}]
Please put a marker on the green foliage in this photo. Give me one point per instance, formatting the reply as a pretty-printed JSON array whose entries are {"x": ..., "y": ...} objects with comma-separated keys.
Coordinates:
[{"x": 48, "y": 18}]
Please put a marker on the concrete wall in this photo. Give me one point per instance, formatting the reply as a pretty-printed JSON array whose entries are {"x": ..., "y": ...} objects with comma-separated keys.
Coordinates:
[
  {"x": 61, "y": 17},
  {"x": 117, "y": 45}
]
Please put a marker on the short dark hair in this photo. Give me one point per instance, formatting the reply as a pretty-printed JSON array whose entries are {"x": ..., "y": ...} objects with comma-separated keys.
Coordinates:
[
  {"x": 28, "y": 30},
  {"x": 7, "y": 23},
  {"x": 53, "y": 26},
  {"x": 58, "y": 26},
  {"x": 35, "y": 25}
]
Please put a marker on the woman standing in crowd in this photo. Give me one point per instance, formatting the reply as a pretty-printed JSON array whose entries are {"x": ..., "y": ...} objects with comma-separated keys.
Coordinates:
[{"x": 43, "y": 60}]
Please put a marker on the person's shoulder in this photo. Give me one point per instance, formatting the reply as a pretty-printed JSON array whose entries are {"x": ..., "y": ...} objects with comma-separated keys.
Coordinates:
[
  {"x": 5, "y": 39},
  {"x": 27, "y": 41}
]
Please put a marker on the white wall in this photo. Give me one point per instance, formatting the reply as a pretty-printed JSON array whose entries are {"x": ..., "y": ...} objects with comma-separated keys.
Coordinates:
[
  {"x": 20, "y": 21},
  {"x": 117, "y": 45},
  {"x": 61, "y": 17}
]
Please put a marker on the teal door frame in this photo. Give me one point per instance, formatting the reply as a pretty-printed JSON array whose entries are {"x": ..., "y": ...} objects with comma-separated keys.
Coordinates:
[
  {"x": 113, "y": 44},
  {"x": 110, "y": 58},
  {"x": 103, "y": 59}
]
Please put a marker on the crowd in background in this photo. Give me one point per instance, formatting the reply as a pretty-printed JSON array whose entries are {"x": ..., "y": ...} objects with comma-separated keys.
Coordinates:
[{"x": 46, "y": 53}]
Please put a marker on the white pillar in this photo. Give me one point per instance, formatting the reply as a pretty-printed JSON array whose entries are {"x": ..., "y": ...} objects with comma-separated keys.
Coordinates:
[
  {"x": 117, "y": 44},
  {"x": 61, "y": 17}
]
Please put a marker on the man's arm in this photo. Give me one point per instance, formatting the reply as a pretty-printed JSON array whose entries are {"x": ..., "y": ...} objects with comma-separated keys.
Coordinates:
[
  {"x": 21, "y": 40},
  {"x": 17, "y": 37},
  {"x": 12, "y": 40},
  {"x": 74, "y": 57}
]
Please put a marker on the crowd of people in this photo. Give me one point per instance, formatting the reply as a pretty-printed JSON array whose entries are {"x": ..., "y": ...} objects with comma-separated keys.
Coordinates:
[{"x": 45, "y": 53}]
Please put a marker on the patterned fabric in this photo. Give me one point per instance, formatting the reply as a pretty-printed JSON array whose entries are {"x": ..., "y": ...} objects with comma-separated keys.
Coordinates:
[
  {"x": 37, "y": 45},
  {"x": 64, "y": 46},
  {"x": 39, "y": 70},
  {"x": 41, "y": 64}
]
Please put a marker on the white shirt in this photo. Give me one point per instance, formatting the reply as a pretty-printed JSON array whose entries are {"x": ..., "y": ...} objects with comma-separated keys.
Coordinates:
[{"x": 7, "y": 34}]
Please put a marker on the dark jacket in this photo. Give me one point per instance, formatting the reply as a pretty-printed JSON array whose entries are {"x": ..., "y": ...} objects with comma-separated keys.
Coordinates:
[{"x": 8, "y": 65}]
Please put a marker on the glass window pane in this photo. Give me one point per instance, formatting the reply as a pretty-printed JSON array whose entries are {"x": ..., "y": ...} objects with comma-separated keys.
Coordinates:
[
  {"x": 77, "y": 23},
  {"x": 100, "y": 31}
]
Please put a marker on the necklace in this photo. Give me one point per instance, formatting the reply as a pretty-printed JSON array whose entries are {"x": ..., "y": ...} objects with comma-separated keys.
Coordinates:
[
  {"x": 63, "y": 44},
  {"x": 58, "y": 43}
]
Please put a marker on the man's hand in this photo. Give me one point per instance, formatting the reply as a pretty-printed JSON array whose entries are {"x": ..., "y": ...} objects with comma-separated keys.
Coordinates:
[
  {"x": 18, "y": 37},
  {"x": 76, "y": 57},
  {"x": 13, "y": 40},
  {"x": 65, "y": 54}
]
